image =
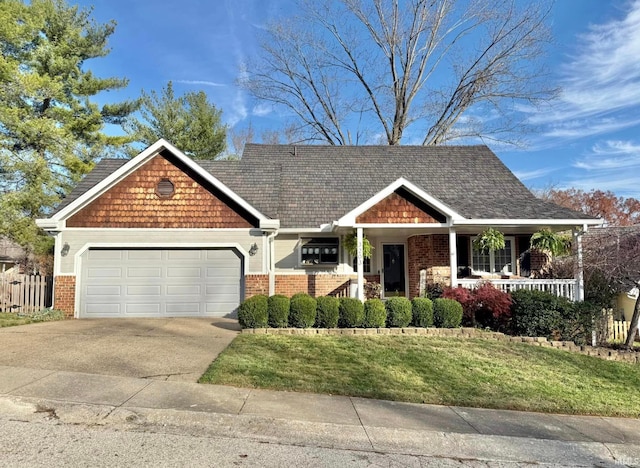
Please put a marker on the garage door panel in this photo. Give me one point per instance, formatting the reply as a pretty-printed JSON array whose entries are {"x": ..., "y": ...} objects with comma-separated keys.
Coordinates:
[
  {"x": 160, "y": 282},
  {"x": 112, "y": 290},
  {"x": 104, "y": 272},
  {"x": 150, "y": 309},
  {"x": 144, "y": 272},
  {"x": 186, "y": 289},
  {"x": 103, "y": 309},
  {"x": 184, "y": 254},
  {"x": 144, "y": 290},
  {"x": 144, "y": 254},
  {"x": 105, "y": 255},
  {"x": 184, "y": 272},
  {"x": 182, "y": 308}
]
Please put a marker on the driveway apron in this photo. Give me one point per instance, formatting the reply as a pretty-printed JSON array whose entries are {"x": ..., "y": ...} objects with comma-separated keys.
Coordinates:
[{"x": 177, "y": 349}]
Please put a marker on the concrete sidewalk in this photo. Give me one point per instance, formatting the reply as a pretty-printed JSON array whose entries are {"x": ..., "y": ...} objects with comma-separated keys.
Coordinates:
[{"x": 327, "y": 421}]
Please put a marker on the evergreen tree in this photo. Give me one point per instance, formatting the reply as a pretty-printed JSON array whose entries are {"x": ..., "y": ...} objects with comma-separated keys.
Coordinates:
[
  {"x": 190, "y": 122},
  {"x": 51, "y": 133}
]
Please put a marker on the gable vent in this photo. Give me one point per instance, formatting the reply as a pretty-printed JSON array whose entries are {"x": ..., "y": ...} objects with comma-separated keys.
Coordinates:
[{"x": 165, "y": 188}]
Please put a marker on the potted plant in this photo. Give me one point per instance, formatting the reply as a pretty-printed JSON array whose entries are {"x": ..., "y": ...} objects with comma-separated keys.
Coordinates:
[
  {"x": 489, "y": 240},
  {"x": 551, "y": 243},
  {"x": 351, "y": 244}
]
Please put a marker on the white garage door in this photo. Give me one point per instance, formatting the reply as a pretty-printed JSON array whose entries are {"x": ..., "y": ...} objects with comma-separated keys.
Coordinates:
[{"x": 160, "y": 283}]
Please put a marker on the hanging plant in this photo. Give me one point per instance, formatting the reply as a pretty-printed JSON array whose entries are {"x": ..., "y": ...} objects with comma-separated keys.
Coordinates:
[
  {"x": 351, "y": 244},
  {"x": 489, "y": 241},
  {"x": 551, "y": 243}
]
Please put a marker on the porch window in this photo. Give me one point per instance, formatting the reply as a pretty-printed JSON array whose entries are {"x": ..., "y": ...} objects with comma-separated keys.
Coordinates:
[
  {"x": 319, "y": 251},
  {"x": 366, "y": 265},
  {"x": 501, "y": 261}
]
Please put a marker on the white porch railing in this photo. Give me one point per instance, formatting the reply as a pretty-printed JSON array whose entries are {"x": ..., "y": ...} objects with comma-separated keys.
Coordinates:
[{"x": 559, "y": 287}]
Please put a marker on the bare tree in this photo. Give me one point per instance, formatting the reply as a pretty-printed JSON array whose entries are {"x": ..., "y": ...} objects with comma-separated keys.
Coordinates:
[
  {"x": 436, "y": 65},
  {"x": 614, "y": 252}
]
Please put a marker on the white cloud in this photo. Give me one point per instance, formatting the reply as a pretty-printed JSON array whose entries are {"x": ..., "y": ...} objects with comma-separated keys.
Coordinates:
[
  {"x": 530, "y": 175},
  {"x": 200, "y": 82},
  {"x": 260, "y": 110},
  {"x": 611, "y": 155},
  {"x": 600, "y": 82}
]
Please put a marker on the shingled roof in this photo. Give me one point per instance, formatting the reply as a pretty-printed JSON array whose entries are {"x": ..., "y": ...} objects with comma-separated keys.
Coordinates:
[{"x": 307, "y": 186}]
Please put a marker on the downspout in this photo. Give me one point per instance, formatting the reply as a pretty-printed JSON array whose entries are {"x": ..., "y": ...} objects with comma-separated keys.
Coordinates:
[{"x": 271, "y": 261}]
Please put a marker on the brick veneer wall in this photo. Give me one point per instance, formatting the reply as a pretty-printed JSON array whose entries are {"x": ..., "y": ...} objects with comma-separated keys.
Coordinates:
[
  {"x": 64, "y": 294},
  {"x": 430, "y": 253},
  {"x": 134, "y": 203},
  {"x": 395, "y": 209},
  {"x": 256, "y": 284},
  {"x": 288, "y": 285}
]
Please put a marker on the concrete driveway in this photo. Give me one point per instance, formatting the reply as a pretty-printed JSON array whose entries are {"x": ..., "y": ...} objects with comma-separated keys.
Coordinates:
[{"x": 167, "y": 349}]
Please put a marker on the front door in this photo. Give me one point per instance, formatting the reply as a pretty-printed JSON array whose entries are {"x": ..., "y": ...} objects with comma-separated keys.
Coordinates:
[{"x": 393, "y": 271}]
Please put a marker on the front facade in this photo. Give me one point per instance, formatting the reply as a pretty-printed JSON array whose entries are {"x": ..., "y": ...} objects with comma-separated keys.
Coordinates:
[{"x": 161, "y": 235}]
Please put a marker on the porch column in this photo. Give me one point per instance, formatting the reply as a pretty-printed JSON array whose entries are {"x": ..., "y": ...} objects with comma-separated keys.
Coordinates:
[
  {"x": 580, "y": 266},
  {"x": 271, "y": 263},
  {"x": 360, "y": 260},
  {"x": 453, "y": 257}
]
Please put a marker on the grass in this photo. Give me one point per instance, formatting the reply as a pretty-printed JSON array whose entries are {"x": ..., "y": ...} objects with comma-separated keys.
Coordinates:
[
  {"x": 447, "y": 371},
  {"x": 8, "y": 319}
]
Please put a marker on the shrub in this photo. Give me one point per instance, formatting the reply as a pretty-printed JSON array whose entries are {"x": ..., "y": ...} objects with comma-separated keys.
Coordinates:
[
  {"x": 372, "y": 290},
  {"x": 433, "y": 291},
  {"x": 422, "y": 311},
  {"x": 351, "y": 312},
  {"x": 398, "y": 312},
  {"x": 584, "y": 319},
  {"x": 252, "y": 313},
  {"x": 447, "y": 313},
  {"x": 328, "y": 312},
  {"x": 278, "y": 311},
  {"x": 302, "y": 311},
  {"x": 538, "y": 313},
  {"x": 466, "y": 298},
  {"x": 375, "y": 314},
  {"x": 493, "y": 307}
]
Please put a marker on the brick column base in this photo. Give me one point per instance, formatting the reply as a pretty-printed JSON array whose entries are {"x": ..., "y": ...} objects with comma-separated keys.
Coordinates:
[{"x": 64, "y": 294}]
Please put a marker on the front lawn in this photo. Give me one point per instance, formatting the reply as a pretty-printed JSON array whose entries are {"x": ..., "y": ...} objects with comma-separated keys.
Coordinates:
[
  {"x": 8, "y": 319},
  {"x": 446, "y": 371}
]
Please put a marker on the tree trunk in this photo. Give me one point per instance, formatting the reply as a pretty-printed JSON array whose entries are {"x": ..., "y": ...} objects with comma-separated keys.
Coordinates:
[{"x": 633, "y": 329}]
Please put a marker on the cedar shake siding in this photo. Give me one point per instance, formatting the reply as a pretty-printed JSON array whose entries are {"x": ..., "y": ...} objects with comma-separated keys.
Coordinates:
[
  {"x": 135, "y": 202},
  {"x": 398, "y": 208}
]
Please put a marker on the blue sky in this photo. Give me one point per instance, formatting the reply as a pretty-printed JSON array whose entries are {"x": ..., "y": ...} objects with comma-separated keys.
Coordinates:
[{"x": 589, "y": 138}]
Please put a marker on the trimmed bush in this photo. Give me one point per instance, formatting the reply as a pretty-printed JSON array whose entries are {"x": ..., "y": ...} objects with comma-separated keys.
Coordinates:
[
  {"x": 422, "y": 311},
  {"x": 252, "y": 313},
  {"x": 375, "y": 314},
  {"x": 302, "y": 312},
  {"x": 351, "y": 312},
  {"x": 398, "y": 312},
  {"x": 538, "y": 313},
  {"x": 328, "y": 312},
  {"x": 467, "y": 300},
  {"x": 278, "y": 311},
  {"x": 447, "y": 313}
]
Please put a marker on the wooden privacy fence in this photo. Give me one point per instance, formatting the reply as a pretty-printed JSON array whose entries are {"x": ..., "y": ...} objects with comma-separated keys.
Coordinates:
[
  {"x": 618, "y": 330},
  {"x": 25, "y": 294}
]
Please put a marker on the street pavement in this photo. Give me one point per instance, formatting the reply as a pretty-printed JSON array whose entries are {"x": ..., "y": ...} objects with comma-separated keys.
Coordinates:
[{"x": 338, "y": 427}]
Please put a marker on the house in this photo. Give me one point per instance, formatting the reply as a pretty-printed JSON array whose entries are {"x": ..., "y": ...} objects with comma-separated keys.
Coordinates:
[
  {"x": 12, "y": 256},
  {"x": 163, "y": 235}
]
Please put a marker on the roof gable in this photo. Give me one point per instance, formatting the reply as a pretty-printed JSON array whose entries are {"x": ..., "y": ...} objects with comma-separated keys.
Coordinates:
[
  {"x": 91, "y": 188},
  {"x": 135, "y": 201}
]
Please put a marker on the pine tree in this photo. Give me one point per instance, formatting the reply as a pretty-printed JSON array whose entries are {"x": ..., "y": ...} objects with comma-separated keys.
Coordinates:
[{"x": 51, "y": 132}]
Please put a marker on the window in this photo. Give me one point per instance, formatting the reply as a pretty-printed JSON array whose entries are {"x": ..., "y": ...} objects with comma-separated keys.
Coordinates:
[
  {"x": 501, "y": 261},
  {"x": 366, "y": 265},
  {"x": 319, "y": 251},
  {"x": 165, "y": 188}
]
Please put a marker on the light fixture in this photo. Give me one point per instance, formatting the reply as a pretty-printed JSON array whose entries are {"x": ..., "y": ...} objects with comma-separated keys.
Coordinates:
[
  {"x": 65, "y": 249},
  {"x": 254, "y": 249}
]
